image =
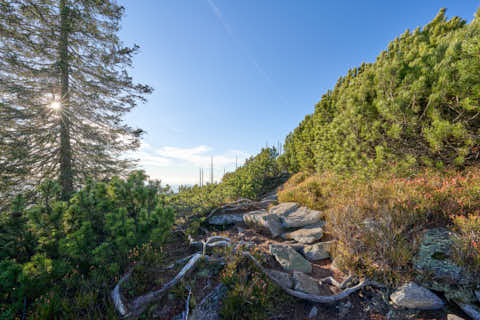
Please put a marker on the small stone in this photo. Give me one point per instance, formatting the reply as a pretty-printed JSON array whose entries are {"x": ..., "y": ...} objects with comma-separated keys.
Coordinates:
[
  {"x": 290, "y": 259},
  {"x": 305, "y": 283},
  {"x": 318, "y": 251},
  {"x": 308, "y": 234},
  {"x": 313, "y": 313},
  {"x": 454, "y": 317},
  {"x": 301, "y": 217},
  {"x": 284, "y": 208},
  {"x": 225, "y": 219},
  {"x": 471, "y": 310},
  {"x": 413, "y": 296},
  {"x": 284, "y": 278}
]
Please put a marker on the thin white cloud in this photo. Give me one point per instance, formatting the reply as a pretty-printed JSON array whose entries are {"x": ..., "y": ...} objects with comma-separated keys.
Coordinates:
[
  {"x": 175, "y": 165},
  {"x": 200, "y": 156}
]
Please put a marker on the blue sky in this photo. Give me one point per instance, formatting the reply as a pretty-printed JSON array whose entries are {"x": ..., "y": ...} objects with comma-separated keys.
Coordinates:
[{"x": 231, "y": 76}]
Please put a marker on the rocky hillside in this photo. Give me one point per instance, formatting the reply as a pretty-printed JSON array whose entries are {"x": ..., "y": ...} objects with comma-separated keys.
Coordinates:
[{"x": 286, "y": 249}]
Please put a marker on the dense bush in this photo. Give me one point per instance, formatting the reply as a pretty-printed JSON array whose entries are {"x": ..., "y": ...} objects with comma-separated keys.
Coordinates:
[
  {"x": 377, "y": 221},
  {"x": 254, "y": 178},
  {"x": 60, "y": 259},
  {"x": 416, "y": 105}
]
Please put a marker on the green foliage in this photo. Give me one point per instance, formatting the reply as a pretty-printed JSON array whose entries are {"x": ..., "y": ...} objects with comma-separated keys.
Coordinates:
[
  {"x": 416, "y": 105},
  {"x": 66, "y": 250},
  {"x": 254, "y": 178},
  {"x": 249, "y": 291}
]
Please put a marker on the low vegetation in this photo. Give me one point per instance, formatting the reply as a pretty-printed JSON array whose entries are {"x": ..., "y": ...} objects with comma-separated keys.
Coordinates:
[
  {"x": 59, "y": 259},
  {"x": 378, "y": 221},
  {"x": 250, "y": 291}
]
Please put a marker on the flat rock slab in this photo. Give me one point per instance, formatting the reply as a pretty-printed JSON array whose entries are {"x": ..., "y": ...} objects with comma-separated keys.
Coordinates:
[
  {"x": 471, "y": 310},
  {"x": 283, "y": 277},
  {"x": 305, "y": 283},
  {"x": 264, "y": 220},
  {"x": 226, "y": 219},
  {"x": 308, "y": 234},
  {"x": 301, "y": 217},
  {"x": 284, "y": 208},
  {"x": 318, "y": 251},
  {"x": 413, "y": 296},
  {"x": 209, "y": 307},
  {"x": 437, "y": 270},
  {"x": 454, "y": 317},
  {"x": 290, "y": 259}
]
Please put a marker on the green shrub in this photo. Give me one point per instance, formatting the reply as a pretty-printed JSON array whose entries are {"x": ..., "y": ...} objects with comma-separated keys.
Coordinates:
[
  {"x": 416, "y": 105},
  {"x": 74, "y": 251}
]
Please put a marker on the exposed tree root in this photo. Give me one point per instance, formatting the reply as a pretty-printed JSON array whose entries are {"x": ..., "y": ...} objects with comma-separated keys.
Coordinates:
[
  {"x": 139, "y": 304},
  {"x": 341, "y": 286},
  {"x": 313, "y": 297}
]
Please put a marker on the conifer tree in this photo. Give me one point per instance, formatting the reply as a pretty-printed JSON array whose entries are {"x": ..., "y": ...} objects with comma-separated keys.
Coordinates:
[{"x": 64, "y": 87}]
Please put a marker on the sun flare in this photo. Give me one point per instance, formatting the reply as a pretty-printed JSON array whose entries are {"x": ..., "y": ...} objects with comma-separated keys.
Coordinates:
[{"x": 55, "y": 105}]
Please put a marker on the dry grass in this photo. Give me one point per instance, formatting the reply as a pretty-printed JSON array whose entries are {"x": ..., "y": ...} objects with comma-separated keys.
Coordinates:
[{"x": 378, "y": 221}]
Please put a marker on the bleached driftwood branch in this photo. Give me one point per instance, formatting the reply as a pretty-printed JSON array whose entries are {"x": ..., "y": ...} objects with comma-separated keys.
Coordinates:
[
  {"x": 137, "y": 306},
  {"x": 313, "y": 297}
]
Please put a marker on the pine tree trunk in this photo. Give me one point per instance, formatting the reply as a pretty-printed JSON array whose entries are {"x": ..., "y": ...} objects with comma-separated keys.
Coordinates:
[{"x": 66, "y": 172}]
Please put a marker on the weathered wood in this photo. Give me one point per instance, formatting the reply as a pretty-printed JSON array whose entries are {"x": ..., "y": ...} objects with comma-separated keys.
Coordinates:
[
  {"x": 116, "y": 296},
  {"x": 313, "y": 297},
  {"x": 139, "y": 304}
]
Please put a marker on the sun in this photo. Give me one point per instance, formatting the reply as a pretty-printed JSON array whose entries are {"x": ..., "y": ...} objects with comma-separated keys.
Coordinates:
[{"x": 55, "y": 105}]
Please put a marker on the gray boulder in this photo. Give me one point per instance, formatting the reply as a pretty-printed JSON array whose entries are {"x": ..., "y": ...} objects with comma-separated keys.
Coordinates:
[
  {"x": 313, "y": 313},
  {"x": 471, "y": 310},
  {"x": 413, "y": 296},
  {"x": 226, "y": 219},
  {"x": 283, "y": 277},
  {"x": 290, "y": 259},
  {"x": 264, "y": 220},
  {"x": 436, "y": 269},
  {"x": 305, "y": 283},
  {"x": 318, "y": 251},
  {"x": 284, "y": 208},
  {"x": 307, "y": 235},
  {"x": 209, "y": 307},
  {"x": 301, "y": 217}
]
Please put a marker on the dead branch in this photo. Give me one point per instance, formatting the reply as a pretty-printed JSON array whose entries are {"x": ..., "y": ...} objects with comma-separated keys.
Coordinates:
[
  {"x": 332, "y": 281},
  {"x": 116, "y": 297},
  {"x": 187, "y": 305},
  {"x": 313, "y": 297}
]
